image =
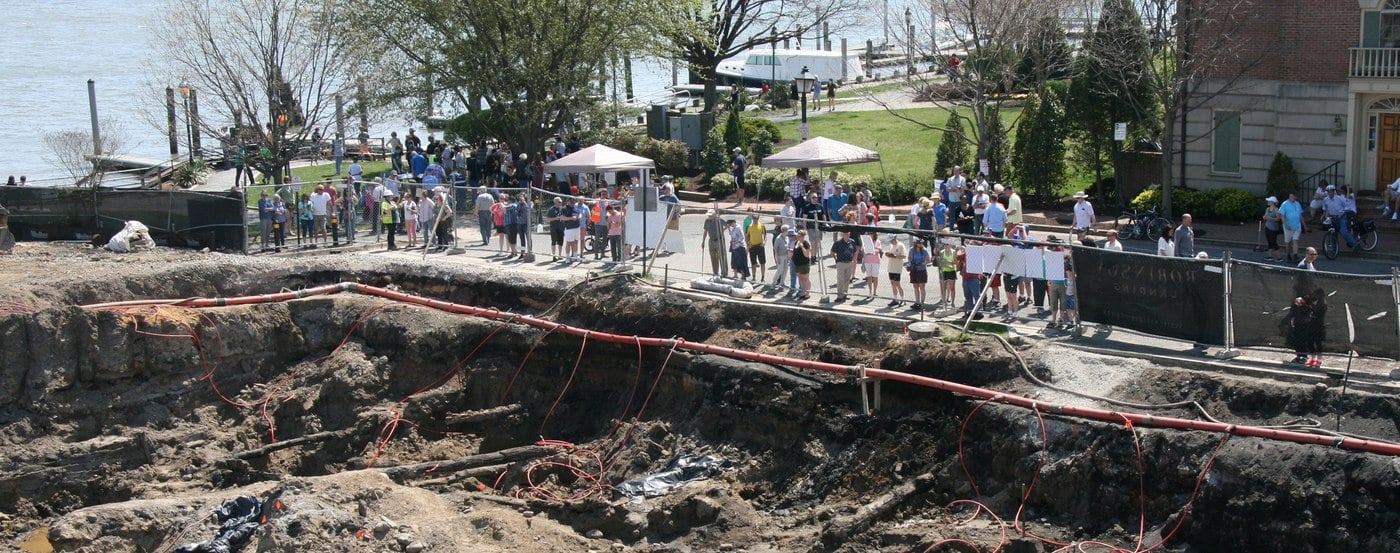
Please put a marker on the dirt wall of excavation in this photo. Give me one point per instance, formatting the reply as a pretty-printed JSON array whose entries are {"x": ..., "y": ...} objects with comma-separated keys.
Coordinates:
[{"x": 100, "y": 407}]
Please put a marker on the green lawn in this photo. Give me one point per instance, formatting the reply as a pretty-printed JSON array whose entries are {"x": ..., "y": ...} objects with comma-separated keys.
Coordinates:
[
  {"x": 905, "y": 147},
  {"x": 325, "y": 171}
]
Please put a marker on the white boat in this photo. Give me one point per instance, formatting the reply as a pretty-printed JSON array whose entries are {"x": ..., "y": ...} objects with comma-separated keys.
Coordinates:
[{"x": 781, "y": 65}]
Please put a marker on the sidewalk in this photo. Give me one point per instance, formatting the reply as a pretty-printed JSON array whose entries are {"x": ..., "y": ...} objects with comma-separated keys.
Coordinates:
[
  {"x": 1233, "y": 236},
  {"x": 673, "y": 273}
]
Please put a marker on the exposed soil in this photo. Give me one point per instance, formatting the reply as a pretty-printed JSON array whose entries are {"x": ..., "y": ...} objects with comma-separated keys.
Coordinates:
[{"x": 122, "y": 428}]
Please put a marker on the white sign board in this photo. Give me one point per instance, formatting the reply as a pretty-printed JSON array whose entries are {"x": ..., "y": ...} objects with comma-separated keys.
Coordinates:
[
  {"x": 804, "y": 131},
  {"x": 984, "y": 167},
  {"x": 867, "y": 245},
  {"x": 634, "y": 233},
  {"x": 1120, "y": 131}
]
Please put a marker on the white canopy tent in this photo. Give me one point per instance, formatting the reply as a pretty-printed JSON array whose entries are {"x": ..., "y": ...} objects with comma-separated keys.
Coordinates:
[
  {"x": 599, "y": 159},
  {"x": 821, "y": 152}
]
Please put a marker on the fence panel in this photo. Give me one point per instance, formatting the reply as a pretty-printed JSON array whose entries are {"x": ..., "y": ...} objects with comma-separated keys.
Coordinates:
[
  {"x": 1165, "y": 296},
  {"x": 1262, "y": 297}
]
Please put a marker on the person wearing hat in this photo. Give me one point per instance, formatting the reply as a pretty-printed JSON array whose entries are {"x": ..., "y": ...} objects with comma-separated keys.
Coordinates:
[
  {"x": 737, "y": 168},
  {"x": 713, "y": 237},
  {"x": 390, "y": 217},
  {"x": 1340, "y": 207},
  {"x": 980, "y": 201},
  {"x": 1083, "y": 213},
  {"x": 1273, "y": 227}
]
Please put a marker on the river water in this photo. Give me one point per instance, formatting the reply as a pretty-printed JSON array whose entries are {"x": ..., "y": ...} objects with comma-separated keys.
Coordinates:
[{"x": 50, "y": 49}]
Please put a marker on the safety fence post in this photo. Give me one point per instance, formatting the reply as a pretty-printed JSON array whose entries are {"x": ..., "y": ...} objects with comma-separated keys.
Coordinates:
[
  {"x": 1395, "y": 293},
  {"x": 1229, "y": 351}
]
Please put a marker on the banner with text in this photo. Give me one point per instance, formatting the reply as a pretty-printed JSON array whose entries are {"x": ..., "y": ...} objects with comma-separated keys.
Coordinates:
[{"x": 1165, "y": 296}]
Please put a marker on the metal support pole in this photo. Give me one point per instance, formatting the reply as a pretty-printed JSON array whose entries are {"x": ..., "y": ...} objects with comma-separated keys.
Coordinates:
[
  {"x": 1229, "y": 352},
  {"x": 92, "y": 111},
  {"x": 195, "y": 147},
  {"x": 170, "y": 122},
  {"x": 844, "y": 53},
  {"x": 1395, "y": 294}
]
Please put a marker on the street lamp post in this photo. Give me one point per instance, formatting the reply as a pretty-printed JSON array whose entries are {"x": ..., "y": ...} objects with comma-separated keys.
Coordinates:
[
  {"x": 189, "y": 128},
  {"x": 804, "y": 87}
]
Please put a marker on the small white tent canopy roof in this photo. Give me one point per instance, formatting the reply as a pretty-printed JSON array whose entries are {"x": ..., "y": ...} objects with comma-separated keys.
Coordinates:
[
  {"x": 598, "y": 159},
  {"x": 821, "y": 152}
]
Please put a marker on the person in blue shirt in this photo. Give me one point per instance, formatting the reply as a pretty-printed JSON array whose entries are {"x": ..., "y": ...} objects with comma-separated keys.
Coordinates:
[
  {"x": 835, "y": 202},
  {"x": 1292, "y": 213},
  {"x": 265, "y": 212},
  {"x": 994, "y": 219},
  {"x": 418, "y": 163}
]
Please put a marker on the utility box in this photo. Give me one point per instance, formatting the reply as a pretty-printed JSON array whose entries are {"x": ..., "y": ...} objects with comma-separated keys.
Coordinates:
[
  {"x": 693, "y": 128},
  {"x": 658, "y": 127}
]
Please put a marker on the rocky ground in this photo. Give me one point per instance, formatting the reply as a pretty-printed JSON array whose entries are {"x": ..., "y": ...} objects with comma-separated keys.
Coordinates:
[{"x": 124, "y": 426}]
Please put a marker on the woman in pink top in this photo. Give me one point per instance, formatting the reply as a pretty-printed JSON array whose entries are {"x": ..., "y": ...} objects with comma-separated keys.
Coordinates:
[
  {"x": 498, "y": 219},
  {"x": 614, "y": 218}
]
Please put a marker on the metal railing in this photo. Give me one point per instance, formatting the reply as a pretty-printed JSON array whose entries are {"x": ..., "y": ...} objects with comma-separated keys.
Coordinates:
[
  {"x": 1308, "y": 185},
  {"x": 1374, "y": 63}
]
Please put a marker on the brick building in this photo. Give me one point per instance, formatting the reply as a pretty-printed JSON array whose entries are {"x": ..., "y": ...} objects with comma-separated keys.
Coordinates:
[{"x": 1318, "y": 80}]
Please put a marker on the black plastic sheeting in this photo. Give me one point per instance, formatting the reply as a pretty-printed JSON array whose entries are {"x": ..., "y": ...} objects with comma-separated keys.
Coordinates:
[
  {"x": 1261, "y": 297},
  {"x": 175, "y": 217},
  {"x": 238, "y": 519},
  {"x": 677, "y": 473},
  {"x": 1165, "y": 296}
]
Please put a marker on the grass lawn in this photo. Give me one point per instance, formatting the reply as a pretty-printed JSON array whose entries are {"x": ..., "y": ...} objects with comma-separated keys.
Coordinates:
[
  {"x": 905, "y": 147},
  {"x": 325, "y": 171}
]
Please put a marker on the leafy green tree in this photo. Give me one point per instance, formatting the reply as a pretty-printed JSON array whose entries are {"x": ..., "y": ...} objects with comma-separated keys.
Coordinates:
[
  {"x": 534, "y": 65},
  {"x": 1039, "y": 157},
  {"x": 1110, "y": 86},
  {"x": 952, "y": 147},
  {"x": 998, "y": 145},
  {"x": 1283, "y": 178},
  {"x": 734, "y": 131}
]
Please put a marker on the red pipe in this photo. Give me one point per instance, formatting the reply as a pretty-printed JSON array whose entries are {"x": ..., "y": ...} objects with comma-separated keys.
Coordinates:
[{"x": 1370, "y": 446}]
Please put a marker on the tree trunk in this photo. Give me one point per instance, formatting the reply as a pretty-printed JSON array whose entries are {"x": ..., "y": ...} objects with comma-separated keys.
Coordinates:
[{"x": 1168, "y": 152}]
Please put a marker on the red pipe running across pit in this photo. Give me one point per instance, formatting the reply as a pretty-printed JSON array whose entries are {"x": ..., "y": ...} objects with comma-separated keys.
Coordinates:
[{"x": 1370, "y": 446}]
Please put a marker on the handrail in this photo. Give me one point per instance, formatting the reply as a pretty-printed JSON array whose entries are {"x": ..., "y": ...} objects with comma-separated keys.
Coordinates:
[{"x": 1307, "y": 185}]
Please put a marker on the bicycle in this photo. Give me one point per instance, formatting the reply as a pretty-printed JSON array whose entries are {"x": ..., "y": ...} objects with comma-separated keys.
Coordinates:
[
  {"x": 1363, "y": 229},
  {"x": 1143, "y": 224}
]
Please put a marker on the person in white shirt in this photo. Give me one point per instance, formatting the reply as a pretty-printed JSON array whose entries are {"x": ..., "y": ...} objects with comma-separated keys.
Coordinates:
[
  {"x": 955, "y": 189},
  {"x": 1390, "y": 200},
  {"x": 1083, "y": 213},
  {"x": 980, "y": 201},
  {"x": 787, "y": 215},
  {"x": 1340, "y": 207},
  {"x": 1166, "y": 245},
  {"x": 320, "y": 211},
  {"x": 1112, "y": 243},
  {"x": 829, "y": 188},
  {"x": 1318, "y": 205}
]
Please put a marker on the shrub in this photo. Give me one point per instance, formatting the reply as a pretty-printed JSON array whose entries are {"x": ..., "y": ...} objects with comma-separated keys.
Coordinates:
[
  {"x": 1223, "y": 204},
  {"x": 721, "y": 185},
  {"x": 1283, "y": 178},
  {"x": 753, "y": 125},
  {"x": 671, "y": 156},
  {"x": 760, "y": 144},
  {"x": 714, "y": 157},
  {"x": 901, "y": 189},
  {"x": 1237, "y": 205}
]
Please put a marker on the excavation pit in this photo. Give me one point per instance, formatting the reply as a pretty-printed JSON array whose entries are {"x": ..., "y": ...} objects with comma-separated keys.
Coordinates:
[{"x": 390, "y": 425}]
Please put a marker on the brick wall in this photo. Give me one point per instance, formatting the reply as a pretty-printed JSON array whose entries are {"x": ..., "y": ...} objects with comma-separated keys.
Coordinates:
[{"x": 1285, "y": 40}]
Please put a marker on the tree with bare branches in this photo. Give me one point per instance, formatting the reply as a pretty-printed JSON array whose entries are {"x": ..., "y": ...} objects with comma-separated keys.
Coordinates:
[
  {"x": 1196, "y": 58},
  {"x": 706, "y": 32},
  {"x": 71, "y": 151},
  {"x": 272, "y": 67}
]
